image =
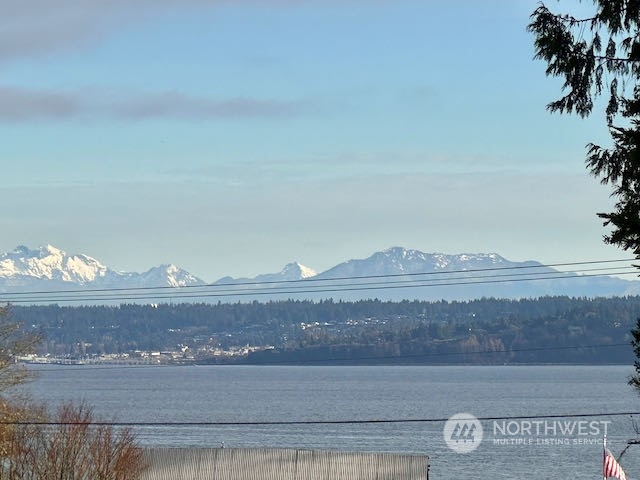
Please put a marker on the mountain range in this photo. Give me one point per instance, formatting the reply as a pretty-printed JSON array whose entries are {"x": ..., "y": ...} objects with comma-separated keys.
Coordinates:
[{"x": 393, "y": 274}]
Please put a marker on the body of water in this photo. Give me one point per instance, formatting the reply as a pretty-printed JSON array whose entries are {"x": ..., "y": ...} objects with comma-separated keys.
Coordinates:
[{"x": 547, "y": 447}]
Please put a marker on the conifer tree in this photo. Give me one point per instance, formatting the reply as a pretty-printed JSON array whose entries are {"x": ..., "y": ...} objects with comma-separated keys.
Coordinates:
[{"x": 598, "y": 55}]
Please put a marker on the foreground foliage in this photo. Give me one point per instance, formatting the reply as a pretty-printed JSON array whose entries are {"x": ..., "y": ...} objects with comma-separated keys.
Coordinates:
[
  {"x": 69, "y": 445},
  {"x": 14, "y": 341},
  {"x": 599, "y": 54},
  {"x": 66, "y": 445}
]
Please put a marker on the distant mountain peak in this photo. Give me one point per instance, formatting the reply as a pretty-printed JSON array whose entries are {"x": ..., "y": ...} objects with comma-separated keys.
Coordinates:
[
  {"x": 298, "y": 270},
  {"x": 170, "y": 275},
  {"x": 438, "y": 260},
  {"x": 425, "y": 276},
  {"x": 48, "y": 248},
  {"x": 400, "y": 260},
  {"x": 49, "y": 263},
  {"x": 291, "y": 272}
]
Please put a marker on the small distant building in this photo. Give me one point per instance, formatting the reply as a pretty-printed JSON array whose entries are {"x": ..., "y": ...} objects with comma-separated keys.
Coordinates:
[{"x": 281, "y": 464}]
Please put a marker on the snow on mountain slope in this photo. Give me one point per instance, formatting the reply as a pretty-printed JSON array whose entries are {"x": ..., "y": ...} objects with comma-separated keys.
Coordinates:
[
  {"x": 398, "y": 261},
  {"x": 291, "y": 271},
  {"x": 441, "y": 276},
  {"x": 170, "y": 276},
  {"x": 24, "y": 267},
  {"x": 51, "y": 263}
]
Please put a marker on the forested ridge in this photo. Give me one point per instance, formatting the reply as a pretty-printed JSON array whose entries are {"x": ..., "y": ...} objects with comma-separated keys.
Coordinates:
[{"x": 548, "y": 329}]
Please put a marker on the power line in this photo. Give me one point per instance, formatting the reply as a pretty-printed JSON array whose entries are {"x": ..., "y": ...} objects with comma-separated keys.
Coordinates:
[
  {"x": 311, "y": 285},
  {"x": 232, "y": 290},
  {"x": 315, "y": 422},
  {"x": 314, "y": 279},
  {"x": 275, "y": 291},
  {"x": 449, "y": 279}
]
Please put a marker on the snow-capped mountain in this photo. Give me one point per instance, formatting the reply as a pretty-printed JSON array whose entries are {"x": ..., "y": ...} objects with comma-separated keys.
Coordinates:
[
  {"x": 469, "y": 276},
  {"x": 169, "y": 276},
  {"x": 398, "y": 260},
  {"x": 49, "y": 267},
  {"x": 393, "y": 274},
  {"x": 399, "y": 273},
  {"x": 291, "y": 271},
  {"x": 50, "y": 263}
]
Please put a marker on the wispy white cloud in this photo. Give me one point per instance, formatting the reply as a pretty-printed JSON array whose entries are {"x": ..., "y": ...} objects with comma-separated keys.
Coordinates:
[
  {"x": 22, "y": 104},
  {"x": 19, "y": 104},
  {"x": 41, "y": 26},
  {"x": 38, "y": 27}
]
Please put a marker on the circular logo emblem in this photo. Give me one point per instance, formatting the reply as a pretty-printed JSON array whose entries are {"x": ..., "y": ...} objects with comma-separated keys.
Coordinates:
[{"x": 462, "y": 433}]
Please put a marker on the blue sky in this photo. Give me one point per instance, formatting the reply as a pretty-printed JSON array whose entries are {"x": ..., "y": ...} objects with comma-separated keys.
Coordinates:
[{"x": 233, "y": 137}]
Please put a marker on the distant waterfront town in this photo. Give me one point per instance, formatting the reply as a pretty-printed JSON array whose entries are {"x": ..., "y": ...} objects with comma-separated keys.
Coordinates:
[{"x": 140, "y": 357}]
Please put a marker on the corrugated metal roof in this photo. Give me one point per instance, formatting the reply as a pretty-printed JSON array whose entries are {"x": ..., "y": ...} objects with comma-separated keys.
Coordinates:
[{"x": 281, "y": 464}]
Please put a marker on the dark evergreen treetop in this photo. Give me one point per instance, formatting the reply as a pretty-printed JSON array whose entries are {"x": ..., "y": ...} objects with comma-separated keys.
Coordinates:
[{"x": 599, "y": 55}]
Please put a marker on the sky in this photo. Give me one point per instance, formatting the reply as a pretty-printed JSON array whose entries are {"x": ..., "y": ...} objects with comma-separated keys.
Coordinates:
[{"x": 234, "y": 137}]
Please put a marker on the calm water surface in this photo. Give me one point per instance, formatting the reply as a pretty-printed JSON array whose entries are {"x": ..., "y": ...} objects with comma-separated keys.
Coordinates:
[{"x": 285, "y": 393}]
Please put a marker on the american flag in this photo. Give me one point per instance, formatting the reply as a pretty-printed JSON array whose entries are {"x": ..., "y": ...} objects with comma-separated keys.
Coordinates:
[{"x": 611, "y": 468}]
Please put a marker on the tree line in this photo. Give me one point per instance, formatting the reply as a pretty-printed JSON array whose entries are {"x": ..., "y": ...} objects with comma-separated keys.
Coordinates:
[{"x": 527, "y": 330}]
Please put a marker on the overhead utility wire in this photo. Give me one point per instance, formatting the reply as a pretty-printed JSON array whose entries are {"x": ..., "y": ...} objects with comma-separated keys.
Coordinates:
[
  {"x": 230, "y": 288},
  {"x": 313, "y": 279},
  {"x": 279, "y": 291},
  {"x": 283, "y": 291},
  {"x": 304, "y": 281},
  {"x": 288, "y": 289},
  {"x": 317, "y": 422}
]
